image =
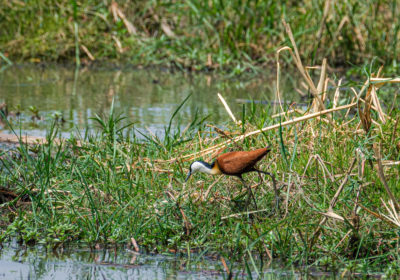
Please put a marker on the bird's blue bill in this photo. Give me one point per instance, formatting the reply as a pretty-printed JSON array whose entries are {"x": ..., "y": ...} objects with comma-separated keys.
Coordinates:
[{"x": 187, "y": 178}]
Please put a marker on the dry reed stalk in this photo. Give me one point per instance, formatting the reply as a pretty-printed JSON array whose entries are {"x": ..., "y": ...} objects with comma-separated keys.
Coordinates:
[
  {"x": 311, "y": 160},
  {"x": 393, "y": 215},
  {"x": 223, "y": 134},
  {"x": 300, "y": 66},
  {"x": 378, "y": 125},
  {"x": 361, "y": 163},
  {"x": 377, "y": 104},
  {"x": 263, "y": 243},
  {"x": 135, "y": 245},
  {"x": 372, "y": 98},
  {"x": 155, "y": 169},
  {"x": 377, "y": 215},
  {"x": 226, "y": 268},
  {"x": 200, "y": 140},
  {"x": 288, "y": 112},
  {"x": 167, "y": 29},
  {"x": 228, "y": 110},
  {"x": 237, "y": 215},
  {"x": 393, "y": 136},
  {"x": 344, "y": 237},
  {"x": 390, "y": 162},
  {"x": 88, "y": 53},
  {"x": 360, "y": 187},
  {"x": 325, "y": 91},
  {"x": 374, "y": 108},
  {"x": 353, "y": 100},
  {"x": 320, "y": 88},
  {"x": 365, "y": 113},
  {"x": 380, "y": 81},
  {"x": 323, "y": 20},
  {"x": 117, "y": 13},
  {"x": 337, "y": 93},
  {"x": 340, "y": 189},
  {"x": 322, "y": 163},
  {"x": 333, "y": 215},
  {"x": 241, "y": 137},
  {"x": 381, "y": 175},
  {"x": 278, "y": 74},
  {"x": 360, "y": 38}
]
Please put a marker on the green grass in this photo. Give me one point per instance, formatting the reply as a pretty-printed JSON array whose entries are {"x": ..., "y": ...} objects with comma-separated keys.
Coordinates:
[
  {"x": 108, "y": 186},
  {"x": 238, "y": 36}
]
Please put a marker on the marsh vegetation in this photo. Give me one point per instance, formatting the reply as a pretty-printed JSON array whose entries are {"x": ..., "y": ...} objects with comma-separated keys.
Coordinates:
[
  {"x": 237, "y": 36},
  {"x": 336, "y": 160},
  {"x": 336, "y": 167}
]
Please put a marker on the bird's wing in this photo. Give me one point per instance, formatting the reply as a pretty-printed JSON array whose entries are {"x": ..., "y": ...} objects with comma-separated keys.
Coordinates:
[{"x": 234, "y": 163}]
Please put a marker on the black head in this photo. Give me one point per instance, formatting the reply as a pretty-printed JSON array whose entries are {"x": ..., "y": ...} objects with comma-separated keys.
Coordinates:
[{"x": 199, "y": 166}]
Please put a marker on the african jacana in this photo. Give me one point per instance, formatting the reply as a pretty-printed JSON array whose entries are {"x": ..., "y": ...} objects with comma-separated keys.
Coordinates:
[{"x": 235, "y": 164}]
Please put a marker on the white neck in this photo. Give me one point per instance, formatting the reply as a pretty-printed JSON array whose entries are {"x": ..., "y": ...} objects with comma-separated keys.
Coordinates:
[{"x": 200, "y": 166}]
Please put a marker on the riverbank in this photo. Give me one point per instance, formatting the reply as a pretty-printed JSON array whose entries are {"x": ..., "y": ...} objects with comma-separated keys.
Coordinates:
[
  {"x": 336, "y": 167},
  {"x": 237, "y": 37}
]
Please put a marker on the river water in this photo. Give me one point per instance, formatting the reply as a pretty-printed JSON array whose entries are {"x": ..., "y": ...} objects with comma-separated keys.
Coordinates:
[
  {"x": 147, "y": 98},
  {"x": 20, "y": 262}
]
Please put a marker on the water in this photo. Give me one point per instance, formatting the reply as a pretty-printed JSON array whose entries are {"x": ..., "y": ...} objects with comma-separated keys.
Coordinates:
[
  {"x": 37, "y": 263},
  {"x": 19, "y": 262},
  {"x": 147, "y": 98}
]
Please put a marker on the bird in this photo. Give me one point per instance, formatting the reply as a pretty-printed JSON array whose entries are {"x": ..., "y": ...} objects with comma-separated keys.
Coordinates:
[{"x": 235, "y": 163}]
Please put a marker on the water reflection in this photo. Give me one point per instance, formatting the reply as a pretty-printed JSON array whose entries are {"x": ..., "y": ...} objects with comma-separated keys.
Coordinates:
[
  {"x": 147, "y": 97},
  {"x": 76, "y": 263},
  {"x": 37, "y": 263}
]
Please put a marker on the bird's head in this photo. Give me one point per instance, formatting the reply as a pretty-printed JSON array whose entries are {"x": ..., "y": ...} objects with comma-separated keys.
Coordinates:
[{"x": 199, "y": 166}]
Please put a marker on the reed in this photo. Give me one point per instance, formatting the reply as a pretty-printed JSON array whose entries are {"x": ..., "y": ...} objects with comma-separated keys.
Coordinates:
[{"x": 238, "y": 36}]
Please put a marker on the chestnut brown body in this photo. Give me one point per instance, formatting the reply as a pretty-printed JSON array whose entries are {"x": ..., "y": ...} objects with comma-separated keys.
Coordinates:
[{"x": 237, "y": 163}]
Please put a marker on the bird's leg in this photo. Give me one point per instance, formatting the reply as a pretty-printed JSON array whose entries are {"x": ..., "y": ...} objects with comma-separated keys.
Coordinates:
[
  {"x": 250, "y": 193},
  {"x": 275, "y": 188}
]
